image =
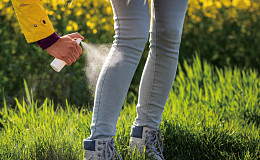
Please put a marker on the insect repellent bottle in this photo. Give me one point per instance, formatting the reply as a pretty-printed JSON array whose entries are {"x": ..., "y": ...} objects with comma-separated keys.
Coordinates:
[{"x": 58, "y": 64}]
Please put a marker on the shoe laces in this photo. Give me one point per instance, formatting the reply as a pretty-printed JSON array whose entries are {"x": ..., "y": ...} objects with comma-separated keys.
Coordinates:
[
  {"x": 154, "y": 143},
  {"x": 109, "y": 150}
]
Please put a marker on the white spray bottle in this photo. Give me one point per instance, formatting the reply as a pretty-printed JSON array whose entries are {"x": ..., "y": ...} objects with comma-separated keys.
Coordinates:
[{"x": 58, "y": 64}]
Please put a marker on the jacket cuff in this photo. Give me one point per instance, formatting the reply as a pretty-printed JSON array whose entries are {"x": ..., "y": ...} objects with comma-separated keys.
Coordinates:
[{"x": 48, "y": 41}]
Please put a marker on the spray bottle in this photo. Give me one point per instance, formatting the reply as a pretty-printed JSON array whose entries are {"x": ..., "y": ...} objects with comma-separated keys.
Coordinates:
[{"x": 58, "y": 64}]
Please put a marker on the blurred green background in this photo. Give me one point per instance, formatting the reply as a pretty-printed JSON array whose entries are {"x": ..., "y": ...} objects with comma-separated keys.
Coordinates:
[{"x": 224, "y": 32}]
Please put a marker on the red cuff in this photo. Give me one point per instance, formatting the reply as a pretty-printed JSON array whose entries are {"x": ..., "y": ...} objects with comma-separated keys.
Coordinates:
[{"x": 48, "y": 41}]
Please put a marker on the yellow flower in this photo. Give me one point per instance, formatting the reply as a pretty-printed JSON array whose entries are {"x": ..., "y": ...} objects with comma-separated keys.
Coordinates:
[
  {"x": 247, "y": 3},
  {"x": 92, "y": 11},
  {"x": 54, "y": 4},
  {"x": 226, "y": 3},
  {"x": 218, "y": 4},
  {"x": 68, "y": 11},
  {"x": 79, "y": 4},
  {"x": 9, "y": 10},
  {"x": 241, "y": 4},
  {"x": 71, "y": 5},
  {"x": 69, "y": 28},
  {"x": 94, "y": 31},
  {"x": 103, "y": 20},
  {"x": 109, "y": 10},
  {"x": 50, "y": 12},
  {"x": 107, "y": 27},
  {"x": 198, "y": 19},
  {"x": 209, "y": 9},
  {"x": 1, "y": 5},
  {"x": 88, "y": 23},
  {"x": 95, "y": 3},
  {"x": 58, "y": 17},
  {"x": 235, "y": 3},
  {"x": 208, "y": 3},
  {"x": 79, "y": 12},
  {"x": 75, "y": 26},
  {"x": 88, "y": 16}
]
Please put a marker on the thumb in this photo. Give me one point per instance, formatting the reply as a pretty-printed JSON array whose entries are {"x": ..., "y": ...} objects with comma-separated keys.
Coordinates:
[{"x": 75, "y": 35}]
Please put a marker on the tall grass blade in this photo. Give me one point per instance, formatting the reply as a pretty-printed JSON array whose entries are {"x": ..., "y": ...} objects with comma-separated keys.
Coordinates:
[{"x": 28, "y": 96}]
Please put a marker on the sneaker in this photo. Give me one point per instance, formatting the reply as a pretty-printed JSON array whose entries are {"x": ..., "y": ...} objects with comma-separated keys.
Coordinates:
[
  {"x": 100, "y": 149},
  {"x": 148, "y": 138}
]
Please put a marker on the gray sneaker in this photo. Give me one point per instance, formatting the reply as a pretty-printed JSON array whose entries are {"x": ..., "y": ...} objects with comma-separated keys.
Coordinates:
[
  {"x": 100, "y": 149},
  {"x": 148, "y": 138}
]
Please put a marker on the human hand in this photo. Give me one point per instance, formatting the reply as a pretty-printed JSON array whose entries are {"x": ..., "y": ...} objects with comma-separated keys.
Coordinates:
[{"x": 66, "y": 48}]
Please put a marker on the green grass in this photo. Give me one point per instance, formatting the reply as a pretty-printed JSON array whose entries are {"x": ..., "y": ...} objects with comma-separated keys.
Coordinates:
[{"x": 211, "y": 113}]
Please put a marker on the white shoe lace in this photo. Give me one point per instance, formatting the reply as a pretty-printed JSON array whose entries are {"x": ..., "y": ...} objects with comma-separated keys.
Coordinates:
[
  {"x": 154, "y": 143},
  {"x": 109, "y": 151}
]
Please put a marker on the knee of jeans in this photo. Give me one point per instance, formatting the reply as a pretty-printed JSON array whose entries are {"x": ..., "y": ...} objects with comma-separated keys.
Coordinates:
[
  {"x": 134, "y": 37},
  {"x": 168, "y": 39}
]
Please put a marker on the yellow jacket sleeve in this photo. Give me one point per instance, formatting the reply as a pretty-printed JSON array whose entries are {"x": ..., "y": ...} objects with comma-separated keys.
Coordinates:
[{"x": 33, "y": 19}]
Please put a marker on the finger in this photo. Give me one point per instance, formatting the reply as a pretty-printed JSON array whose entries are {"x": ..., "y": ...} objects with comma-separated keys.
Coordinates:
[
  {"x": 75, "y": 35},
  {"x": 73, "y": 55},
  {"x": 72, "y": 59},
  {"x": 78, "y": 49},
  {"x": 68, "y": 54},
  {"x": 66, "y": 38},
  {"x": 66, "y": 59},
  {"x": 73, "y": 48}
]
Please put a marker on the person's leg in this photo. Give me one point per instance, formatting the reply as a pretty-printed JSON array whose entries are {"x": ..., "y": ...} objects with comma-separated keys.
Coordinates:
[
  {"x": 160, "y": 68},
  {"x": 158, "y": 75},
  {"x": 131, "y": 34}
]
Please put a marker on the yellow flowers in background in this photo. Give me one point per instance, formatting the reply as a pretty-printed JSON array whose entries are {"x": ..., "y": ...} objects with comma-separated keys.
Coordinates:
[
  {"x": 72, "y": 26},
  {"x": 96, "y": 16},
  {"x": 220, "y": 11},
  {"x": 214, "y": 8},
  {"x": 226, "y": 32}
]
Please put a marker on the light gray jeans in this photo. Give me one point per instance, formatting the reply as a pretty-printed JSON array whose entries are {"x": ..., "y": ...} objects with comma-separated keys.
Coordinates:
[{"x": 132, "y": 22}]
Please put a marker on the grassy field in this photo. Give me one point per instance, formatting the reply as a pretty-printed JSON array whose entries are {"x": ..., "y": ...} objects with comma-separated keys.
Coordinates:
[{"x": 211, "y": 113}]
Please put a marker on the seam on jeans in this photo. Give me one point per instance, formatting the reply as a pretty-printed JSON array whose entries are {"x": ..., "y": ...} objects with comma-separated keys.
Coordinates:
[
  {"x": 99, "y": 99},
  {"x": 149, "y": 104},
  {"x": 113, "y": 4}
]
